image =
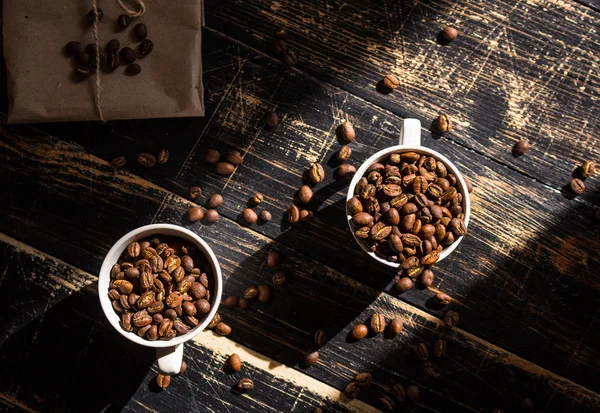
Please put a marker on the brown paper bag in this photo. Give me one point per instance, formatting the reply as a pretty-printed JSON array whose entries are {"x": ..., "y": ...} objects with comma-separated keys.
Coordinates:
[{"x": 40, "y": 85}]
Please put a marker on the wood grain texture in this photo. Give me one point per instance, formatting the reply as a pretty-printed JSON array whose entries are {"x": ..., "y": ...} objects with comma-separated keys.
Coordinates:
[
  {"x": 274, "y": 332},
  {"x": 519, "y": 70},
  {"x": 526, "y": 276}
]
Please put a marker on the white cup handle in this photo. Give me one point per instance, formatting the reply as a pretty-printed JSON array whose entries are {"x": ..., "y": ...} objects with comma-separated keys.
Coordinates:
[
  {"x": 410, "y": 134},
  {"x": 169, "y": 359}
]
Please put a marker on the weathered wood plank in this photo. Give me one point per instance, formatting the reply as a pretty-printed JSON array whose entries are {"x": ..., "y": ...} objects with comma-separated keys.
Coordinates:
[
  {"x": 518, "y": 70},
  {"x": 91, "y": 346},
  {"x": 524, "y": 260}
]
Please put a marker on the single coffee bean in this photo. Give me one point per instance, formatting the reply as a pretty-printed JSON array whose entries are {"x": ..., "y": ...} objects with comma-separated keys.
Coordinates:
[
  {"x": 279, "y": 279},
  {"x": 114, "y": 294},
  {"x": 146, "y": 47},
  {"x": 195, "y": 214},
  {"x": 234, "y": 157},
  {"x": 133, "y": 249},
  {"x": 320, "y": 338},
  {"x": 94, "y": 16},
  {"x": 111, "y": 61},
  {"x": 141, "y": 319},
  {"x": 214, "y": 322},
  {"x": 202, "y": 305},
  {"x": 363, "y": 233},
  {"x": 444, "y": 124},
  {"x": 127, "y": 55},
  {"x": 163, "y": 156},
  {"x": 293, "y": 214},
  {"x": 118, "y": 161},
  {"x": 395, "y": 327},
  {"x": 412, "y": 393},
  {"x": 250, "y": 216},
  {"x": 305, "y": 194},
  {"x": 124, "y": 21},
  {"x": 439, "y": 348},
  {"x": 146, "y": 159},
  {"x": 265, "y": 216},
  {"x": 245, "y": 385},
  {"x": 212, "y": 156},
  {"x": 214, "y": 201},
  {"x": 362, "y": 219},
  {"x": 427, "y": 278},
  {"x": 223, "y": 329},
  {"x": 290, "y": 59},
  {"x": 311, "y": 358},
  {"x": 133, "y": 69},
  {"x": 451, "y": 318},
  {"x": 197, "y": 291},
  {"x": 449, "y": 33},
  {"x": 234, "y": 363},
  {"x": 587, "y": 169},
  {"x": 404, "y": 284},
  {"x": 398, "y": 392},
  {"x": 377, "y": 323},
  {"x": 273, "y": 258},
  {"x": 271, "y": 119},
  {"x": 72, "y": 48},
  {"x": 421, "y": 351},
  {"x": 257, "y": 198},
  {"x": 195, "y": 192},
  {"x": 442, "y": 298},
  {"x": 82, "y": 72},
  {"x": 354, "y": 205},
  {"x": 527, "y": 405},
  {"x": 362, "y": 380},
  {"x": 387, "y": 404},
  {"x": 352, "y": 391},
  {"x": 91, "y": 50},
  {"x": 344, "y": 153},
  {"x": 127, "y": 322},
  {"x": 346, "y": 170},
  {"x": 152, "y": 333},
  {"x": 306, "y": 215},
  {"x": 360, "y": 331},
  {"x": 520, "y": 148},
  {"x": 244, "y": 303},
  {"x": 112, "y": 46},
  {"x": 189, "y": 308},
  {"x": 251, "y": 293},
  {"x": 577, "y": 186},
  {"x": 316, "y": 172},
  {"x": 212, "y": 216},
  {"x": 163, "y": 381},
  {"x": 391, "y": 82},
  {"x": 141, "y": 31},
  {"x": 278, "y": 46},
  {"x": 224, "y": 168},
  {"x": 264, "y": 293},
  {"x": 83, "y": 58},
  {"x": 346, "y": 132}
]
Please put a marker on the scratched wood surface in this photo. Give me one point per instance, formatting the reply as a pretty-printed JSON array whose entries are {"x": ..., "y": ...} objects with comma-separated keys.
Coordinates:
[
  {"x": 525, "y": 281},
  {"x": 525, "y": 260}
]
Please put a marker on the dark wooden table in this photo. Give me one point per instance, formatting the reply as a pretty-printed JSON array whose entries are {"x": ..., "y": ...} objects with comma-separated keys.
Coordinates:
[{"x": 525, "y": 281}]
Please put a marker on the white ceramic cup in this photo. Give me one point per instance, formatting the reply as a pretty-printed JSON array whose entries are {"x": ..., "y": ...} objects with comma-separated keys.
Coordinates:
[
  {"x": 410, "y": 141},
  {"x": 169, "y": 354}
]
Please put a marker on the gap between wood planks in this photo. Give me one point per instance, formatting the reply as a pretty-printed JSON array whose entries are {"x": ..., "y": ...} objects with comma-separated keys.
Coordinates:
[{"x": 392, "y": 114}]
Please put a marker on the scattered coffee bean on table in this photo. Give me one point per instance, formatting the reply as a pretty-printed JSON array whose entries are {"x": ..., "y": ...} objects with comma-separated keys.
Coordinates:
[
  {"x": 118, "y": 161},
  {"x": 362, "y": 380},
  {"x": 428, "y": 209},
  {"x": 212, "y": 216},
  {"x": 257, "y": 198},
  {"x": 244, "y": 303},
  {"x": 72, "y": 48},
  {"x": 352, "y": 391},
  {"x": 520, "y": 148},
  {"x": 378, "y": 323},
  {"x": 212, "y": 156},
  {"x": 442, "y": 298},
  {"x": 413, "y": 393},
  {"x": 265, "y": 216},
  {"x": 344, "y": 153},
  {"x": 398, "y": 392},
  {"x": 320, "y": 337},
  {"x": 271, "y": 119},
  {"x": 404, "y": 284},
  {"x": 451, "y": 318},
  {"x": 273, "y": 258},
  {"x": 234, "y": 157},
  {"x": 224, "y": 168},
  {"x": 250, "y": 216},
  {"x": 245, "y": 385},
  {"x": 232, "y": 301},
  {"x": 391, "y": 82},
  {"x": 587, "y": 169},
  {"x": 444, "y": 124},
  {"x": 146, "y": 47},
  {"x": 346, "y": 170},
  {"x": 346, "y": 132},
  {"x": 111, "y": 61},
  {"x": 146, "y": 159},
  {"x": 214, "y": 201},
  {"x": 195, "y": 192},
  {"x": 163, "y": 156},
  {"x": 223, "y": 329},
  {"x": 163, "y": 381},
  {"x": 133, "y": 69},
  {"x": 195, "y": 214},
  {"x": 439, "y": 348},
  {"x": 82, "y": 72},
  {"x": 159, "y": 288},
  {"x": 395, "y": 327},
  {"x": 387, "y": 404},
  {"x": 577, "y": 186},
  {"x": 278, "y": 46},
  {"x": 450, "y": 33},
  {"x": 141, "y": 31},
  {"x": 421, "y": 351},
  {"x": 306, "y": 215},
  {"x": 316, "y": 172},
  {"x": 305, "y": 194},
  {"x": 311, "y": 358},
  {"x": 290, "y": 59},
  {"x": 124, "y": 21},
  {"x": 234, "y": 363},
  {"x": 264, "y": 293},
  {"x": 427, "y": 278},
  {"x": 360, "y": 331},
  {"x": 112, "y": 46},
  {"x": 251, "y": 293},
  {"x": 94, "y": 15},
  {"x": 127, "y": 55},
  {"x": 293, "y": 214},
  {"x": 279, "y": 279}
]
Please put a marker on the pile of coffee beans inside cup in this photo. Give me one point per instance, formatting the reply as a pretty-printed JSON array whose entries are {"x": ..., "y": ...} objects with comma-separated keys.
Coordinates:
[
  {"x": 407, "y": 208},
  {"x": 161, "y": 288}
]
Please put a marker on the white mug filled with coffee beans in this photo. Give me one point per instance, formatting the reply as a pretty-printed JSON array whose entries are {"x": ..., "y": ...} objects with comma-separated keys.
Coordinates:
[
  {"x": 408, "y": 206},
  {"x": 159, "y": 286}
]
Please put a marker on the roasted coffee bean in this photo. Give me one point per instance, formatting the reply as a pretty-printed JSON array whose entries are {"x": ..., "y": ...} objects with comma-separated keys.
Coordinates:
[
  {"x": 451, "y": 318},
  {"x": 157, "y": 318},
  {"x": 305, "y": 194},
  {"x": 124, "y": 286},
  {"x": 152, "y": 333},
  {"x": 82, "y": 72},
  {"x": 360, "y": 331},
  {"x": 195, "y": 192},
  {"x": 444, "y": 124},
  {"x": 392, "y": 190},
  {"x": 346, "y": 170},
  {"x": 271, "y": 119},
  {"x": 146, "y": 47},
  {"x": 395, "y": 327},
  {"x": 404, "y": 284},
  {"x": 392, "y": 216},
  {"x": 306, "y": 215},
  {"x": 174, "y": 299},
  {"x": 378, "y": 323},
  {"x": 245, "y": 385},
  {"x": 421, "y": 351},
  {"x": 431, "y": 258},
  {"x": 114, "y": 294},
  {"x": 235, "y": 157},
  {"x": 202, "y": 306},
  {"x": 458, "y": 227},
  {"x": 362, "y": 380},
  {"x": 165, "y": 326},
  {"x": 577, "y": 186},
  {"x": 391, "y": 82},
  {"x": 449, "y": 238},
  {"x": 293, "y": 214},
  {"x": 244, "y": 303},
  {"x": 163, "y": 381},
  {"x": 442, "y": 298},
  {"x": 368, "y": 191},
  {"x": 212, "y": 156},
  {"x": 372, "y": 205},
  {"x": 127, "y": 55},
  {"x": 380, "y": 231},
  {"x": 520, "y": 148},
  {"x": 133, "y": 69},
  {"x": 197, "y": 291},
  {"x": 412, "y": 393},
  {"x": 316, "y": 172},
  {"x": 143, "y": 330},
  {"x": 449, "y": 33},
  {"x": 362, "y": 219},
  {"x": 273, "y": 259},
  {"x": 587, "y": 169},
  {"x": 398, "y": 392},
  {"x": 311, "y": 358},
  {"x": 439, "y": 348},
  {"x": 195, "y": 214},
  {"x": 427, "y": 278},
  {"x": 112, "y": 46},
  {"x": 320, "y": 338},
  {"x": 344, "y": 153},
  {"x": 215, "y": 321},
  {"x": 214, "y": 201},
  {"x": 224, "y": 168},
  {"x": 265, "y": 216},
  {"x": 290, "y": 59},
  {"x": 94, "y": 16},
  {"x": 191, "y": 320},
  {"x": 124, "y": 21},
  {"x": 363, "y": 232},
  {"x": 396, "y": 243},
  {"x": 127, "y": 321},
  {"x": 278, "y": 46},
  {"x": 140, "y": 31},
  {"x": 116, "y": 304},
  {"x": 124, "y": 301},
  {"x": 279, "y": 279},
  {"x": 251, "y": 293},
  {"x": 352, "y": 391},
  {"x": 72, "y": 48},
  {"x": 118, "y": 161},
  {"x": 346, "y": 132},
  {"x": 233, "y": 363},
  {"x": 387, "y": 404},
  {"x": 163, "y": 156},
  {"x": 177, "y": 274},
  {"x": 146, "y": 159},
  {"x": 264, "y": 293}
]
